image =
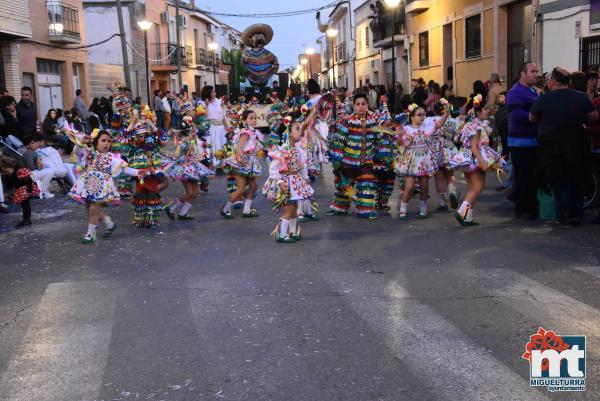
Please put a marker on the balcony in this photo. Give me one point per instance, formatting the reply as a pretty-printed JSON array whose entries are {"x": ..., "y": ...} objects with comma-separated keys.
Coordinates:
[
  {"x": 340, "y": 52},
  {"x": 63, "y": 22},
  {"x": 164, "y": 56},
  {"x": 417, "y": 6}
]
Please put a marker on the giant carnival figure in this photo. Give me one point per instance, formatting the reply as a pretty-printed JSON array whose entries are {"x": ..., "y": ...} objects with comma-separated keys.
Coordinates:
[{"x": 261, "y": 65}]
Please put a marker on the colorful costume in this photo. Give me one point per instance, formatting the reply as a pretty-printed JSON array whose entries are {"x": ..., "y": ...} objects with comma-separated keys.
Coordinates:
[
  {"x": 261, "y": 65},
  {"x": 250, "y": 165},
  {"x": 443, "y": 142},
  {"x": 119, "y": 123},
  {"x": 146, "y": 143},
  {"x": 417, "y": 159},
  {"x": 465, "y": 159},
  {"x": 384, "y": 161},
  {"x": 95, "y": 184},
  {"x": 352, "y": 150},
  {"x": 188, "y": 166},
  {"x": 288, "y": 166}
]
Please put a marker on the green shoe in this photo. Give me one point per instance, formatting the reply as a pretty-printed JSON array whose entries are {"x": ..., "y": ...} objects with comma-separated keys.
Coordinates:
[
  {"x": 459, "y": 218},
  {"x": 253, "y": 213},
  {"x": 167, "y": 209},
  {"x": 453, "y": 201},
  {"x": 312, "y": 217},
  {"x": 296, "y": 237},
  {"x": 109, "y": 231},
  {"x": 422, "y": 214},
  {"x": 88, "y": 239},
  {"x": 185, "y": 217},
  {"x": 403, "y": 216},
  {"x": 471, "y": 223},
  {"x": 286, "y": 240}
]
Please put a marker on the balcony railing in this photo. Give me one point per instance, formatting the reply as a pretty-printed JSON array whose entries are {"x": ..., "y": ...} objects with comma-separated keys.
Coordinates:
[
  {"x": 164, "y": 53},
  {"x": 340, "y": 52},
  {"x": 63, "y": 22}
]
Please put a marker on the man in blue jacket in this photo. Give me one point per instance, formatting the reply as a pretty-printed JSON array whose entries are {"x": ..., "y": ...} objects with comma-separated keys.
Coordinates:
[{"x": 522, "y": 141}]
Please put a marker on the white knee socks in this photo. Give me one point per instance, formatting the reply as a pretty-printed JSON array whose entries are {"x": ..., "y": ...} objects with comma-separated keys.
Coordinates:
[
  {"x": 185, "y": 209},
  {"x": 464, "y": 208},
  {"x": 108, "y": 222},
  {"x": 247, "y": 206},
  {"x": 284, "y": 226},
  {"x": 293, "y": 226}
]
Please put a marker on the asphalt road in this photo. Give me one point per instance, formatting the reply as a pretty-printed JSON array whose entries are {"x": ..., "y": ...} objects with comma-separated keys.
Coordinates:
[{"x": 357, "y": 311}]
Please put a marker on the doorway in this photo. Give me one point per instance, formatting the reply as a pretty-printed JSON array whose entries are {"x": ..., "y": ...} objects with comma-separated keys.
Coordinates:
[
  {"x": 448, "y": 54},
  {"x": 519, "y": 38}
]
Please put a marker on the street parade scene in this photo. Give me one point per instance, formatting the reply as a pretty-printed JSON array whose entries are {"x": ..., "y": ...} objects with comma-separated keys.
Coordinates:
[{"x": 344, "y": 200}]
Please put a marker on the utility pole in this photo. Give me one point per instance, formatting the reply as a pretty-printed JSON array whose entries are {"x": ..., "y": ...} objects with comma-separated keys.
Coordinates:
[
  {"x": 123, "y": 46},
  {"x": 178, "y": 51}
]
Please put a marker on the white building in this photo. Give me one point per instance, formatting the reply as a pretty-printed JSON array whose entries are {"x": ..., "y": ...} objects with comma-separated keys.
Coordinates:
[
  {"x": 368, "y": 57},
  {"x": 571, "y": 34},
  {"x": 341, "y": 47}
]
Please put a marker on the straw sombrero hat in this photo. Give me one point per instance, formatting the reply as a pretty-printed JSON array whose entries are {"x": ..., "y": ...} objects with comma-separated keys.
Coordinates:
[{"x": 257, "y": 28}]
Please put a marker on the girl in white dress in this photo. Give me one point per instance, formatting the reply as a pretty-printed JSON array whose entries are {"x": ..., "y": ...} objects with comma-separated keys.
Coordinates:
[
  {"x": 475, "y": 158},
  {"x": 417, "y": 162},
  {"x": 95, "y": 187},
  {"x": 288, "y": 184},
  {"x": 245, "y": 164}
]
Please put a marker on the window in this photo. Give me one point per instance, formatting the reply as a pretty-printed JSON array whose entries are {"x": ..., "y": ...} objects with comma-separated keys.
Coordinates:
[
  {"x": 367, "y": 37},
  {"x": 424, "y": 49},
  {"x": 48, "y": 67},
  {"x": 473, "y": 36},
  {"x": 359, "y": 44},
  {"x": 77, "y": 70}
]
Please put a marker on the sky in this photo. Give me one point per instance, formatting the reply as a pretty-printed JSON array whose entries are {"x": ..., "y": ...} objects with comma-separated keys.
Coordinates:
[{"x": 291, "y": 34}]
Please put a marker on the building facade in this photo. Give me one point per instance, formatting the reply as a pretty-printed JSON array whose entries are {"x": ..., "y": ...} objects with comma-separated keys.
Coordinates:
[
  {"x": 199, "y": 65},
  {"x": 460, "y": 41},
  {"x": 35, "y": 41},
  {"x": 340, "y": 47},
  {"x": 368, "y": 59},
  {"x": 571, "y": 32}
]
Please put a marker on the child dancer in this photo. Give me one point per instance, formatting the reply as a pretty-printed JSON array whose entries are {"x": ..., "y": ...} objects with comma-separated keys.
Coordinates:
[
  {"x": 417, "y": 162},
  {"x": 188, "y": 169},
  {"x": 25, "y": 187},
  {"x": 443, "y": 150},
  {"x": 95, "y": 186},
  {"x": 383, "y": 166},
  {"x": 288, "y": 182},
  {"x": 352, "y": 150},
  {"x": 146, "y": 153},
  {"x": 245, "y": 165},
  {"x": 475, "y": 157}
]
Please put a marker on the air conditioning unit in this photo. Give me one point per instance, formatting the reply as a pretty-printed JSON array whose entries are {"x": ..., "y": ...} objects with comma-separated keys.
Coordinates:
[
  {"x": 164, "y": 17},
  {"x": 182, "y": 22}
]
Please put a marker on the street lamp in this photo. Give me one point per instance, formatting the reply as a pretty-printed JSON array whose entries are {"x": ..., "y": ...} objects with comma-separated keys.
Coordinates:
[
  {"x": 304, "y": 61},
  {"x": 145, "y": 25},
  {"x": 332, "y": 33},
  {"x": 392, "y": 4},
  {"x": 213, "y": 46}
]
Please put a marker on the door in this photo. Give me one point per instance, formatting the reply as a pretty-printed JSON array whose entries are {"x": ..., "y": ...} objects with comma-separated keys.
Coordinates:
[
  {"x": 519, "y": 38},
  {"x": 448, "y": 54},
  {"x": 50, "y": 98}
]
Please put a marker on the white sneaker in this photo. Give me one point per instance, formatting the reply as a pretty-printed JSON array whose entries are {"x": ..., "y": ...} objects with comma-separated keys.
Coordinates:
[{"x": 49, "y": 195}]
